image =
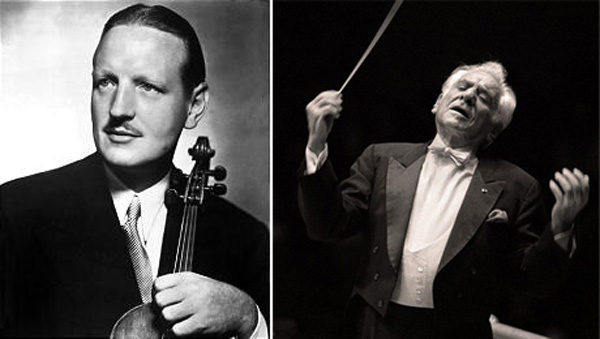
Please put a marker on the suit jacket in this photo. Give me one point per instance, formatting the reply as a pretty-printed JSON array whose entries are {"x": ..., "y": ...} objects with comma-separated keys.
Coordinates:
[
  {"x": 66, "y": 267},
  {"x": 500, "y": 237}
]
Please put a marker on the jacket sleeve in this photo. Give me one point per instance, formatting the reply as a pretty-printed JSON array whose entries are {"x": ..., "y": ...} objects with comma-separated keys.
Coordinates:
[
  {"x": 6, "y": 272},
  {"x": 334, "y": 210},
  {"x": 3, "y": 272},
  {"x": 540, "y": 265},
  {"x": 256, "y": 269}
]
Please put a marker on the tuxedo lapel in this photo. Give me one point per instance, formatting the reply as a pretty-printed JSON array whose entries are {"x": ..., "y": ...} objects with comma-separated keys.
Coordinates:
[
  {"x": 480, "y": 198},
  {"x": 401, "y": 185}
]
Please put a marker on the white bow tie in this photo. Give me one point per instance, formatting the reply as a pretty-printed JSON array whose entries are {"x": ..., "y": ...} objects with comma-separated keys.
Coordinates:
[{"x": 458, "y": 157}]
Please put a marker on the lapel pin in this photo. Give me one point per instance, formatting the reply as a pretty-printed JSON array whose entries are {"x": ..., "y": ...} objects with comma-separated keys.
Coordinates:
[{"x": 484, "y": 190}]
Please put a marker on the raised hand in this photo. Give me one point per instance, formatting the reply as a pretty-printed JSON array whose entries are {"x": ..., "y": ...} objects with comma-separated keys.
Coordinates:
[
  {"x": 571, "y": 190},
  {"x": 320, "y": 113},
  {"x": 195, "y": 304}
]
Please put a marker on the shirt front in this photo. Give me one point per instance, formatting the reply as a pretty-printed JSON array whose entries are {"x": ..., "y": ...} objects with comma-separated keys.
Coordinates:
[
  {"x": 423, "y": 250},
  {"x": 440, "y": 192},
  {"x": 153, "y": 216},
  {"x": 151, "y": 225}
]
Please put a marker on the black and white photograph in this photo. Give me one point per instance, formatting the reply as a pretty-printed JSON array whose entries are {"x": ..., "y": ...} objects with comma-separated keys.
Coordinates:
[
  {"x": 447, "y": 188},
  {"x": 135, "y": 177},
  {"x": 289, "y": 169}
]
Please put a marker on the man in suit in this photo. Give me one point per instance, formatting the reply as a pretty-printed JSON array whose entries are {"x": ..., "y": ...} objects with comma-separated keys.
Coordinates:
[
  {"x": 446, "y": 228},
  {"x": 83, "y": 244}
]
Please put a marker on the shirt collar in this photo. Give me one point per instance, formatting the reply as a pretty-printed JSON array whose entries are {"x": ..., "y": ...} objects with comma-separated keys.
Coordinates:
[
  {"x": 151, "y": 198},
  {"x": 439, "y": 142}
]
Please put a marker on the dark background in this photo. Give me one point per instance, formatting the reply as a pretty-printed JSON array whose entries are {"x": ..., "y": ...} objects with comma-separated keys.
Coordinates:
[{"x": 550, "y": 50}]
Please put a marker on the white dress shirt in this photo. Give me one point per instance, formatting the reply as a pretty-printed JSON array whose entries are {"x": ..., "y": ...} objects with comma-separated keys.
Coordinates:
[
  {"x": 151, "y": 225},
  {"x": 440, "y": 192},
  {"x": 153, "y": 215}
]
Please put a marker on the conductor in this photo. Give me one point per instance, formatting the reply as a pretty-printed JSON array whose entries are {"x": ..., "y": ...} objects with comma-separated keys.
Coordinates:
[{"x": 445, "y": 226}]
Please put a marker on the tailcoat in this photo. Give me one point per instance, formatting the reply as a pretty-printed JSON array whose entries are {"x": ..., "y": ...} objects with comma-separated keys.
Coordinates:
[{"x": 500, "y": 239}]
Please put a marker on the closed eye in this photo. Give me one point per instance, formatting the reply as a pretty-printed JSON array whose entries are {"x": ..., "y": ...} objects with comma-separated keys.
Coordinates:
[{"x": 463, "y": 85}]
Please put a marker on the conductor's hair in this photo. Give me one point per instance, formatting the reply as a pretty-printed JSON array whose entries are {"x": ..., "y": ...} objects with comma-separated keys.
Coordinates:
[
  {"x": 193, "y": 70},
  {"x": 507, "y": 101}
]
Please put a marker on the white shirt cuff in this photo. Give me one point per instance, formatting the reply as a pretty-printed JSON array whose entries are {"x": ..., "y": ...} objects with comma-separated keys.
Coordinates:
[
  {"x": 260, "y": 331},
  {"x": 562, "y": 239},
  {"x": 314, "y": 161}
]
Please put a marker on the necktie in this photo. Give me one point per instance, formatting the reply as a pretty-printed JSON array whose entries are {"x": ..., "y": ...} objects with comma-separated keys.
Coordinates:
[
  {"x": 458, "y": 157},
  {"x": 139, "y": 257}
]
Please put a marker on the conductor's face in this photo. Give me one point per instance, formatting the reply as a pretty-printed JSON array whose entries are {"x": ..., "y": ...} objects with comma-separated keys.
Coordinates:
[
  {"x": 139, "y": 103},
  {"x": 465, "y": 111}
]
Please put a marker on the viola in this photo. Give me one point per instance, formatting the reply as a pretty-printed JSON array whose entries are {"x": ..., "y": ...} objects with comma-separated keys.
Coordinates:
[{"x": 144, "y": 321}]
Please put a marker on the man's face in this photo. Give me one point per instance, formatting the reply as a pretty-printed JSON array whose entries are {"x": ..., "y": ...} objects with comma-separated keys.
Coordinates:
[
  {"x": 463, "y": 114},
  {"x": 139, "y": 103}
]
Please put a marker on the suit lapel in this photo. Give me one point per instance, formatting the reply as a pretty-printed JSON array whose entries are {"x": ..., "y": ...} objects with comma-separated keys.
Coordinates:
[
  {"x": 207, "y": 245},
  {"x": 481, "y": 196},
  {"x": 175, "y": 207},
  {"x": 171, "y": 237},
  {"x": 83, "y": 214},
  {"x": 401, "y": 185},
  {"x": 88, "y": 248},
  {"x": 100, "y": 223}
]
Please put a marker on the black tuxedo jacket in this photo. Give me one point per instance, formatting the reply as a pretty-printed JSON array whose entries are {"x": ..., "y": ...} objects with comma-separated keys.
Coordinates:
[
  {"x": 500, "y": 237},
  {"x": 66, "y": 269}
]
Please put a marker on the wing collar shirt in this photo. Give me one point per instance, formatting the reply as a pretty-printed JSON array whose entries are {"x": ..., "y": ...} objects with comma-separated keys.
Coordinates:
[
  {"x": 443, "y": 183},
  {"x": 441, "y": 189}
]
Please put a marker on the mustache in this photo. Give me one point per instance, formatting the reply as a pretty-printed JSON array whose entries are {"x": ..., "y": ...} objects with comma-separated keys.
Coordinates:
[{"x": 121, "y": 127}]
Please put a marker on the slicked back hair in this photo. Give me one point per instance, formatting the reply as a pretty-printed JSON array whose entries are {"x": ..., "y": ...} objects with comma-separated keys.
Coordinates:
[{"x": 193, "y": 70}]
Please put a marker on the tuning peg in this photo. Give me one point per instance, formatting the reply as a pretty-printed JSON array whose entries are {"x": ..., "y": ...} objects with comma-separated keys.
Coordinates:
[
  {"x": 219, "y": 173},
  {"x": 171, "y": 197},
  {"x": 218, "y": 189}
]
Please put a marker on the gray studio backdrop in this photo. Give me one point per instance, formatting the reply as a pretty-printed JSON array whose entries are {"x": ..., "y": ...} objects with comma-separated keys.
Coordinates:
[{"x": 45, "y": 87}]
